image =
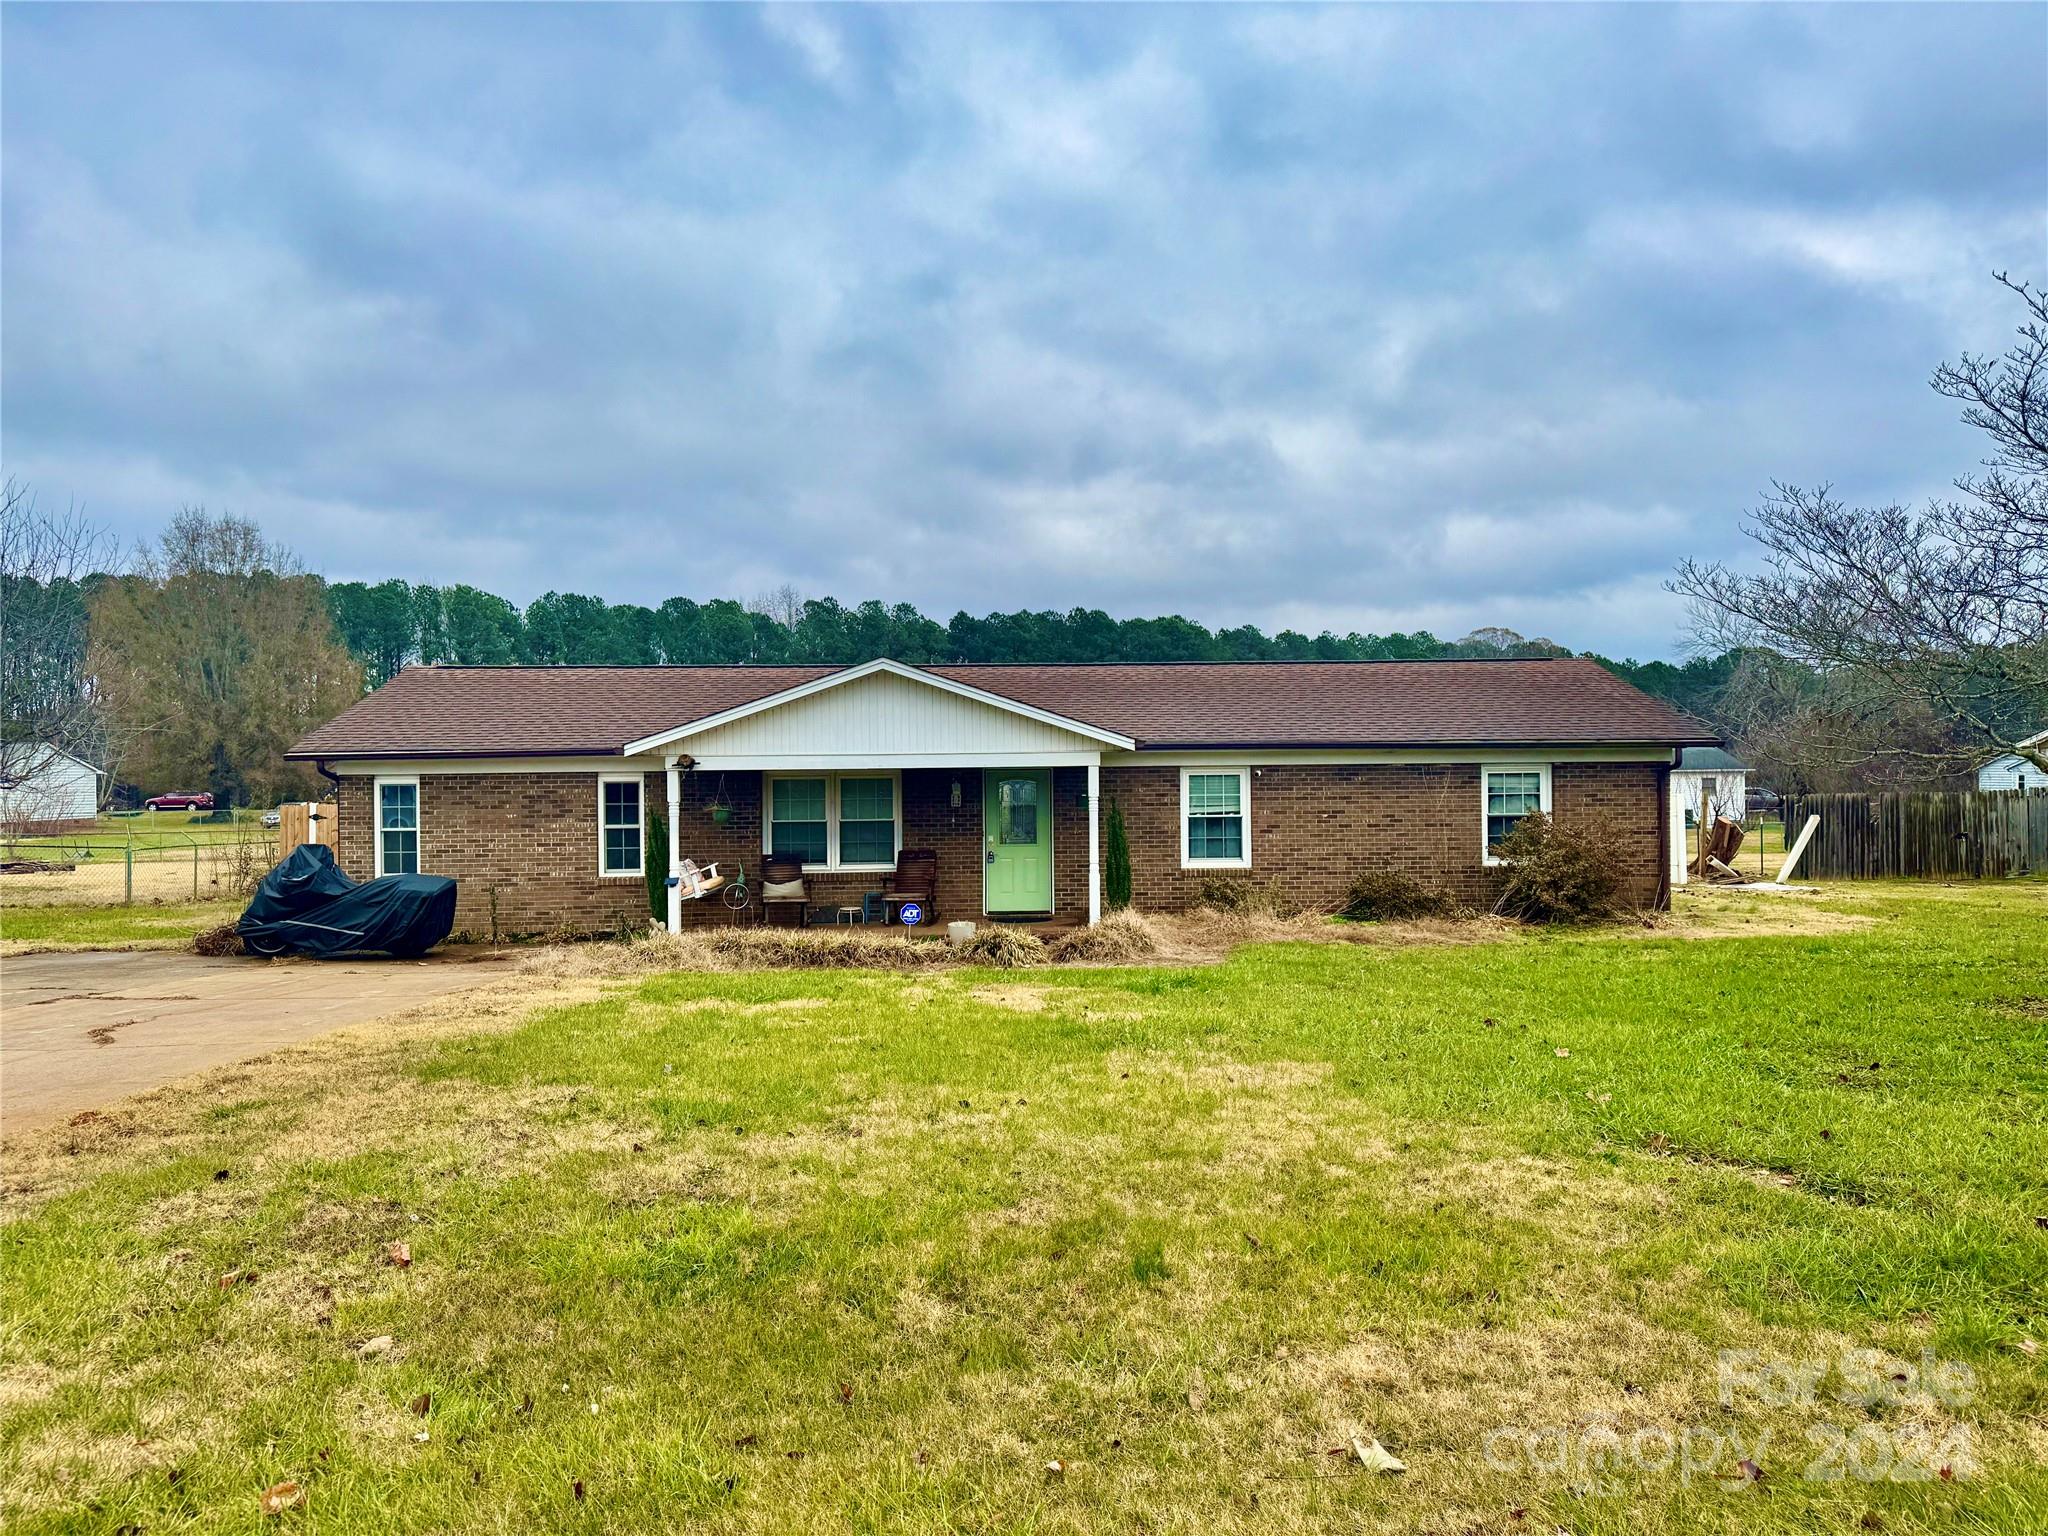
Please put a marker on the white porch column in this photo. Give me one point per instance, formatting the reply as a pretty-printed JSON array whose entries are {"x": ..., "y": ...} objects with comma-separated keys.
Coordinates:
[
  {"x": 675, "y": 846},
  {"x": 1094, "y": 842}
]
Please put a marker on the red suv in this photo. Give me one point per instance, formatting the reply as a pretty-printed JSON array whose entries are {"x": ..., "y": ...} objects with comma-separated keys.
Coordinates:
[{"x": 199, "y": 802}]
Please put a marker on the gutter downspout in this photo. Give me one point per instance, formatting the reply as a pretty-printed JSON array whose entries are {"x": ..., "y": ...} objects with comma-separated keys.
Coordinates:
[
  {"x": 1667, "y": 852},
  {"x": 334, "y": 780},
  {"x": 1095, "y": 841},
  {"x": 675, "y": 843}
]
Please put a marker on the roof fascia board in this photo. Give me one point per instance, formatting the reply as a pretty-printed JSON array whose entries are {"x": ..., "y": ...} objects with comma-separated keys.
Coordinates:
[
  {"x": 360, "y": 763},
  {"x": 1273, "y": 757},
  {"x": 830, "y": 762}
]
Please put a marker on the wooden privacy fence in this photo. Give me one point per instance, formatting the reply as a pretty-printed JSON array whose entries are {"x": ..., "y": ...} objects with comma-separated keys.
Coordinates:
[
  {"x": 304, "y": 821},
  {"x": 1970, "y": 833}
]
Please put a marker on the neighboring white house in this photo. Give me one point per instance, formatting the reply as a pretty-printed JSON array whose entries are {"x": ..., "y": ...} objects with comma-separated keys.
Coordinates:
[
  {"x": 2013, "y": 771},
  {"x": 43, "y": 787},
  {"x": 1712, "y": 774}
]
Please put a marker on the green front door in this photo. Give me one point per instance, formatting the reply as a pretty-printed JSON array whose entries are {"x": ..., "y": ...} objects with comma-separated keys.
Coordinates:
[{"x": 1017, "y": 831}]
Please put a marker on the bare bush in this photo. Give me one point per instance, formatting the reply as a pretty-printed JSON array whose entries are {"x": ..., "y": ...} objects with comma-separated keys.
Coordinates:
[
  {"x": 1554, "y": 873},
  {"x": 1242, "y": 896},
  {"x": 1381, "y": 895}
]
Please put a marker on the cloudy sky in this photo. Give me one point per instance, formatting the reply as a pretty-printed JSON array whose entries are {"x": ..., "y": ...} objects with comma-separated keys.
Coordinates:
[{"x": 1356, "y": 318}]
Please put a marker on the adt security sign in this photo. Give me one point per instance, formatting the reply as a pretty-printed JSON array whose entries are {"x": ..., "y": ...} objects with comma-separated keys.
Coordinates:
[{"x": 913, "y": 914}]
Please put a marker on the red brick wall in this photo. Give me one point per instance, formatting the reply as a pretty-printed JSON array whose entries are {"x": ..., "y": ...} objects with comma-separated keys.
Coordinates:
[
  {"x": 1316, "y": 827},
  {"x": 521, "y": 846},
  {"x": 529, "y": 841}
]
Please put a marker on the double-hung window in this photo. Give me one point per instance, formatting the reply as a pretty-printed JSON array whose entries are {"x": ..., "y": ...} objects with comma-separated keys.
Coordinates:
[
  {"x": 797, "y": 825},
  {"x": 1508, "y": 793},
  {"x": 867, "y": 821},
  {"x": 398, "y": 826},
  {"x": 619, "y": 836},
  {"x": 1215, "y": 818},
  {"x": 834, "y": 820}
]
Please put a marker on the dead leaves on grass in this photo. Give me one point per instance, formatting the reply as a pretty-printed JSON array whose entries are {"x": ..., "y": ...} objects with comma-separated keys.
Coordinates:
[
  {"x": 279, "y": 1497},
  {"x": 1375, "y": 1457}
]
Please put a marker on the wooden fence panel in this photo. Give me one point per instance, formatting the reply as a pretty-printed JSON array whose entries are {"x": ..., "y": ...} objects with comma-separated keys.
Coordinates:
[
  {"x": 304, "y": 821},
  {"x": 1939, "y": 834}
]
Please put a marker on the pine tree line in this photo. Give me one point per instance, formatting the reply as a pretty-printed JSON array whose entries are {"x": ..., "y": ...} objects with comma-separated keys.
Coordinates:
[{"x": 393, "y": 624}]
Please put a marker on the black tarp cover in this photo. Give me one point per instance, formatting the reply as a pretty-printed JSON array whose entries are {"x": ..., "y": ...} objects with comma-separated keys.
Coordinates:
[{"x": 307, "y": 906}]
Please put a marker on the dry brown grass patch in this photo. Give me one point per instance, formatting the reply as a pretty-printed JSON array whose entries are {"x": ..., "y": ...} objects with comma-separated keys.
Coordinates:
[
  {"x": 1016, "y": 997},
  {"x": 1712, "y": 912},
  {"x": 1119, "y": 938}
]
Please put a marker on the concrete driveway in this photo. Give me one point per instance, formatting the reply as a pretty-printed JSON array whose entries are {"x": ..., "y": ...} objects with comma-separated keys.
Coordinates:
[{"x": 81, "y": 1030}]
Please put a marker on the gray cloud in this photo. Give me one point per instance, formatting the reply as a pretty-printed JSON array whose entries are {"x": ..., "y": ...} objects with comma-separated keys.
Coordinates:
[{"x": 1358, "y": 318}]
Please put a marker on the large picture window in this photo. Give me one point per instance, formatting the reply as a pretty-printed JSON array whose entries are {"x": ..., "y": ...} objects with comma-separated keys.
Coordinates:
[
  {"x": 1508, "y": 793},
  {"x": 398, "y": 826},
  {"x": 1215, "y": 818},
  {"x": 619, "y": 836},
  {"x": 834, "y": 820}
]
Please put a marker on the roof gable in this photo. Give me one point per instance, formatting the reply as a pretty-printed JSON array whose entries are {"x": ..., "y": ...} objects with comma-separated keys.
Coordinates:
[
  {"x": 880, "y": 705},
  {"x": 877, "y": 713}
]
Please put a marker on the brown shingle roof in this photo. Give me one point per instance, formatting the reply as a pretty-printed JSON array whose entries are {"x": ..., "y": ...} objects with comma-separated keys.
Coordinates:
[
  {"x": 1346, "y": 703},
  {"x": 536, "y": 711},
  {"x": 566, "y": 711}
]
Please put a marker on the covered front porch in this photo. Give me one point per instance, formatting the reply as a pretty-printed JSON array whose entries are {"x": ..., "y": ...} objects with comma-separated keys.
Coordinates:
[
  {"x": 1013, "y": 844},
  {"x": 838, "y": 778}
]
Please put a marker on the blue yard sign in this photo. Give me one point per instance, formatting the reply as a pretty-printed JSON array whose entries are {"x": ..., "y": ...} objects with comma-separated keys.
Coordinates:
[{"x": 913, "y": 914}]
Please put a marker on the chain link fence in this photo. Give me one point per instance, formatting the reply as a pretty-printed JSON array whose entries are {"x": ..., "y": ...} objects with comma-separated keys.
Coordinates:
[{"x": 140, "y": 862}]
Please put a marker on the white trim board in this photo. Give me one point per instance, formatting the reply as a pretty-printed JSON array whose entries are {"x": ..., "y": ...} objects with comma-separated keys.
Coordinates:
[
  {"x": 1306, "y": 757},
  {"x": 1326, "y": 757},
  {"x": 880, "y": 666},
  {"x": 854, "y": 762},
  {"x": 415, "y": 767}
]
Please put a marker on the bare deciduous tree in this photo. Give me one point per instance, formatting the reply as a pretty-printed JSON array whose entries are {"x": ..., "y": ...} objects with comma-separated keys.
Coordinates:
[
  {"x": 785, "y": 605},
  {"x": 1906, "y": 616},
  {"x": 48, "y": 701}
]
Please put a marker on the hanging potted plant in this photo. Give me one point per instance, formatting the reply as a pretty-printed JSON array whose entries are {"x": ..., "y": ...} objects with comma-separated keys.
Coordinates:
[{"x": 721, "y": 813}]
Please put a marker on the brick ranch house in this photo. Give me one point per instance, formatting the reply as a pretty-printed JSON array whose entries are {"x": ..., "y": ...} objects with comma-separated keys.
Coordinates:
[{"x": 535, "y": 786}]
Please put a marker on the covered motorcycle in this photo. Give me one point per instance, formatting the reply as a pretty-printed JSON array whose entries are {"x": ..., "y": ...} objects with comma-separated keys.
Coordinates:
[{"x": 307, "y": 906}]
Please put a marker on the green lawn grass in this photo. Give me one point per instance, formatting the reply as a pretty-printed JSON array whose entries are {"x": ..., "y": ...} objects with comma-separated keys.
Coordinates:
[
  {"x": 141, "y": 925},
  {"x": 831, "y": 1251}
]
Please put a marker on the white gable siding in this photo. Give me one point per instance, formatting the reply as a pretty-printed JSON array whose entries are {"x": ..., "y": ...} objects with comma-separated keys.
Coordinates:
[
  {"x": 59, "y": 789},
  {"x": 883, "y": 718},
  {"x": 2011, "y": 772}
]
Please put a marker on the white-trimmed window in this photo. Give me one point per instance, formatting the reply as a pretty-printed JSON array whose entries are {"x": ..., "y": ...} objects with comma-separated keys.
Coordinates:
[
  {"x": 1216, "y": 818},
  {"x": 397, "y": 804},
  {"x": 831, "y": 821},
  {"x": 621, "y": 838},
  {"x": 1507, "y": 793}
]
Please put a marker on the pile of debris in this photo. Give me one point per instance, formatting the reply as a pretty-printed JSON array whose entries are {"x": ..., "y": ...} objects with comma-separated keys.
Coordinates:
[{"x": 1718, "y": 846}]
